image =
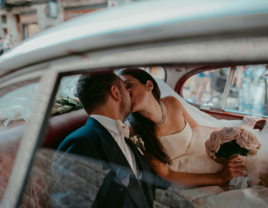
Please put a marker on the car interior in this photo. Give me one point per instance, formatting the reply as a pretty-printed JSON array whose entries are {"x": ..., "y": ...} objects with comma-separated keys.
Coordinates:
[{"x": 67, "y": 121}]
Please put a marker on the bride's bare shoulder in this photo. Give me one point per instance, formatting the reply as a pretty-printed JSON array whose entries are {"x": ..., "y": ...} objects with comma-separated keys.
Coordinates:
[{"x": 171, "y": 101}]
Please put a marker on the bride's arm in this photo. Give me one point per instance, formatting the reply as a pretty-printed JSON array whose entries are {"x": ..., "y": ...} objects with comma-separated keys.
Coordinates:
[
  {"x": 213, "y": 128},
  {"x": 231, "y": 170}
]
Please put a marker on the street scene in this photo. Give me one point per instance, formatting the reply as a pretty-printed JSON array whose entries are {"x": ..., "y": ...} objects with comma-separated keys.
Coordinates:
[
  {"x": 23, "y": 19},
  {"x": 248, "y": 93}
]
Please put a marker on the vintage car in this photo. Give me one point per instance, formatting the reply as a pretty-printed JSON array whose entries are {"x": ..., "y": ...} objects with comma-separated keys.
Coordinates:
[{"x": 212, "y": 53}]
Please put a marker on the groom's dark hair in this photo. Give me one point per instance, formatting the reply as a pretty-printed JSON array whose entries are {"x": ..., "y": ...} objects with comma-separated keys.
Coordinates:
[{"x": 93, "y": 89}]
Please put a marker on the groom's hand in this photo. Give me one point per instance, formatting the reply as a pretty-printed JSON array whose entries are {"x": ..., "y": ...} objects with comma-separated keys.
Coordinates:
[{"x": 233, "y": 168}]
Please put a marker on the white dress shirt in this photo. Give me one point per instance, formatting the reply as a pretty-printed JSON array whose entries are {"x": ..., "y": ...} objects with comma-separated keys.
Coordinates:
[{"x": 111, "y": 126}]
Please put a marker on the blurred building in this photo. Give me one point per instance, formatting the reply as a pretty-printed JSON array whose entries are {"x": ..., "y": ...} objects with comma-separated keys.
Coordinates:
[{"x": 20, "y": 19}]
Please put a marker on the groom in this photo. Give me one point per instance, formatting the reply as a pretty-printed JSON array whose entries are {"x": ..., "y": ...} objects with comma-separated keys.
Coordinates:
[{"x": 131, "y": 182}]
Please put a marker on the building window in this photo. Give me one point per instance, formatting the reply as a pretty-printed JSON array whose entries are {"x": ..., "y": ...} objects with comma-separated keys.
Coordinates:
[{"x": 4, "y": 19}]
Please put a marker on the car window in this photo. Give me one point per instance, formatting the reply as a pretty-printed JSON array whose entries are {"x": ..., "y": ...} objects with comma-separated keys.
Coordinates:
[
  {"x": 248, "y": 91},
  {"x": 16, "y": 108},
  {"x": 206, "y": 88},
  {"x": 16, "y": 103},
  {"x": 66, "y": 116}
]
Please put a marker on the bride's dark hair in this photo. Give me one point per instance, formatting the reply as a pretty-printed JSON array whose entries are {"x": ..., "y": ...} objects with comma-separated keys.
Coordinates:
[{"x": 143, "y": 126}]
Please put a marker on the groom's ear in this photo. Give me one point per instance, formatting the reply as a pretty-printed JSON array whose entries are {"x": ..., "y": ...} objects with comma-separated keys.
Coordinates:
[
  {"x": 115, "y": 92},
  {"x": 150, "y": 85}
]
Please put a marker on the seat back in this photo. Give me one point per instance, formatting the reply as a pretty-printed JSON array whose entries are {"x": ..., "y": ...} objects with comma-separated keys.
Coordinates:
[{"x": 63, "y": 125}]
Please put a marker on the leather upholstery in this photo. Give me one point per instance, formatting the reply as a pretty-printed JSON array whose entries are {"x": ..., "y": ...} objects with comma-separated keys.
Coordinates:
[{"x": 63, "y": 125}]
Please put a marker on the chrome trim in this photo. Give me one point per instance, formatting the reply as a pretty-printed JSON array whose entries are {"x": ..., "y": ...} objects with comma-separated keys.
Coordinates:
[
  {"x": 243, "y": 113},
  {"x": 203, "y": 107},
  {"x": 227, "y": 87},
  {"x": 216, "y": 109},
  {"x": 214, "y": 52}
]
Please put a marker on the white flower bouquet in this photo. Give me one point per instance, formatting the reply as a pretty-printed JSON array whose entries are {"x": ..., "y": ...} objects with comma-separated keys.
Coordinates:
[
  {"x": 64, "y": 105},
  {"x": 18, "y": 104}
]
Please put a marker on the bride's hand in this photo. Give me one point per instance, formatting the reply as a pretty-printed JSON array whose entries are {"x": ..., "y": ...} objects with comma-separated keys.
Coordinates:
[{"x": 233, "y": 168}]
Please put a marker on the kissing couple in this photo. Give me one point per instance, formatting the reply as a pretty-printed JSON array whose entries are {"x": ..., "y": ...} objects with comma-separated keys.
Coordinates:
[{"x": 120, "y": 107}]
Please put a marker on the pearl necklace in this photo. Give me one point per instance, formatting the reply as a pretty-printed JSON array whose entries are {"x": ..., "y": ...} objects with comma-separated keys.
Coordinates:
[{"x": 164, "y": 115}]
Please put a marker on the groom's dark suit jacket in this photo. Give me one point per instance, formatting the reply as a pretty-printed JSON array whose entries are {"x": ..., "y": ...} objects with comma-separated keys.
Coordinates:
[{"x": 94, "y": 141}]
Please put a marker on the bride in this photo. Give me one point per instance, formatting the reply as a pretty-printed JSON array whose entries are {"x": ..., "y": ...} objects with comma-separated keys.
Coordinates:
[{"x": 173, "y": 137}]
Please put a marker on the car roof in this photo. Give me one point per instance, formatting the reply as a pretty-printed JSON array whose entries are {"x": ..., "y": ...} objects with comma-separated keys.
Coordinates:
[{"x": 135, "y": 23}]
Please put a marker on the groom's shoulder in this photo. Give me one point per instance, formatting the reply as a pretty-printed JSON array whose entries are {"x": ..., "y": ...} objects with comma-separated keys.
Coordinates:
[{"x": 84, "y": 134}]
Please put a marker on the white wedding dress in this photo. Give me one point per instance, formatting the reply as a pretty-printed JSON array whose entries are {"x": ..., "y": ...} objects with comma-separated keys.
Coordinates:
[{"x": 187, "y": 152}]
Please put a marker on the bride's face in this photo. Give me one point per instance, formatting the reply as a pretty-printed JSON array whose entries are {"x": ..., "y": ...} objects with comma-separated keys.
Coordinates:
[{"x": 138, "y": 92}]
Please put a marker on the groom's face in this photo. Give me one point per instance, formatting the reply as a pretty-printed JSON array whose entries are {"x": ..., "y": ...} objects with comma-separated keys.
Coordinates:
[{"x": 125, "y": 99}]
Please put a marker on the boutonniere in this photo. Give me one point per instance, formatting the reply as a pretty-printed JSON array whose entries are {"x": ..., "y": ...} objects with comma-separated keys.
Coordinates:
[{"x": 137, "y": 141}]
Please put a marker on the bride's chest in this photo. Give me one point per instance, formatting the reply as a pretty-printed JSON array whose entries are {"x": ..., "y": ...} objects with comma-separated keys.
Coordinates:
[
  {"x": 172, "y": 126},
  {"x": 177, "y": 144}
]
